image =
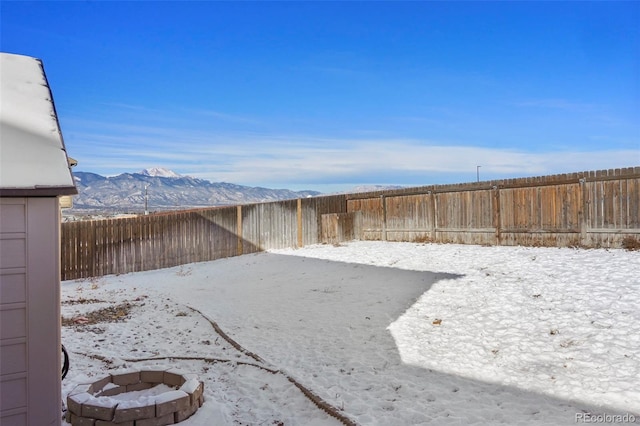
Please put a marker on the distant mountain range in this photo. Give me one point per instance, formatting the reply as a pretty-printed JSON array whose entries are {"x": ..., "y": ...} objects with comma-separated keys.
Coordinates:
[{"x": 166, "y": 190}]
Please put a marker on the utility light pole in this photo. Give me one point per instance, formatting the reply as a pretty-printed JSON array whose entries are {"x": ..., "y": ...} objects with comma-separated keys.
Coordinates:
[
  {"x": 146, "y": 200},
  {"x": 478, "y": 173}
]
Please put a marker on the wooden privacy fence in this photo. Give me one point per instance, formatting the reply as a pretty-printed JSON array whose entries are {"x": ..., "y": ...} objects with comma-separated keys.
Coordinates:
[
  {"x": 589, "y": 209},
  {"x": 142, "y": 243}
]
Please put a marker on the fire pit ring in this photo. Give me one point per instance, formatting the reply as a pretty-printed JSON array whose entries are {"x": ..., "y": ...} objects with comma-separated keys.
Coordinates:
[{"x": 88, "y": 403}]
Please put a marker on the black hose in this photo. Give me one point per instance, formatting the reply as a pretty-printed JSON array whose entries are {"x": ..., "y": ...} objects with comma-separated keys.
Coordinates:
[{"x": 65, "y": 362}]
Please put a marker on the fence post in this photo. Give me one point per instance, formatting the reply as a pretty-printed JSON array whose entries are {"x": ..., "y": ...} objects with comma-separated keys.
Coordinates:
[
  {"x": 432, "y": 214},
  {"x": 299, "y": 218},
  {"x": 240, "y": 250},
  {"x": 497, "y": 220},
  {"x": 384, "y": 217},
  {"x": 584, "y": 209},
  {"x": 434, "y": 205}
]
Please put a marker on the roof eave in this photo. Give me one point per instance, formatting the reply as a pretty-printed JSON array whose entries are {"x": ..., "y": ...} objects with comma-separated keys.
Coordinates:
[{"x": 39, "y": 191}]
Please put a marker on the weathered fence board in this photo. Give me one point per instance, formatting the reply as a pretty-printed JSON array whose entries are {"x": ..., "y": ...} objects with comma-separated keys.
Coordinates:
[
  {"x": 315, "y": 208},
  {"x": 465, "y": 217},
  {"x": 371, "y": 216},
  {"x": 409, "y": 218},
  {"x": 338, "y": 227}
]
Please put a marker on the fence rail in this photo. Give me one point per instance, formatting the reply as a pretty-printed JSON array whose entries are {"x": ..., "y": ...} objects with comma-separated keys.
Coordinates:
[{"x": 590, "y": 209}]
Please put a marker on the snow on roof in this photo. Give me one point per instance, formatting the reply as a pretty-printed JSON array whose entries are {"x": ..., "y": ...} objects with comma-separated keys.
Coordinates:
[{"x": 33, "y": 160}]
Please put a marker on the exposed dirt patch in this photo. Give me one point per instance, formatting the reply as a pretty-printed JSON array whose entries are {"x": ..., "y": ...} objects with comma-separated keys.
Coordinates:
[
  {"x": 82, "y": 301},
  {"x": 631, "y": 244},
  {"x": 117, "y": 313}
]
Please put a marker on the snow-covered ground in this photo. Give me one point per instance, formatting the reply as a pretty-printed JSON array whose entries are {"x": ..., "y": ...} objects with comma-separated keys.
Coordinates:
[{"x": 386, "y": 333}]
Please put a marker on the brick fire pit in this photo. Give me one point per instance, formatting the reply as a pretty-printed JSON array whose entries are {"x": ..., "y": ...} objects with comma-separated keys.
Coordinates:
[{"x": 92, "y": 405}]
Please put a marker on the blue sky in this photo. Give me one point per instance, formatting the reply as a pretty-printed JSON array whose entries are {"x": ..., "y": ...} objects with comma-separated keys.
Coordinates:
[{"x": 330, "y": 95}]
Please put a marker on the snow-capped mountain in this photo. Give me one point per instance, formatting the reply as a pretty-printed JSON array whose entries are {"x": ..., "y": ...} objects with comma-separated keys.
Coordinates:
[
  {"x": 160, "y": 172},
  {"x": 166, "y": 190}
]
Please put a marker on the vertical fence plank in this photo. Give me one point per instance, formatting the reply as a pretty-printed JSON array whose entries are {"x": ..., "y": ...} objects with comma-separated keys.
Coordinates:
[
  {"x": 300, "y": 240},
  {"x": 497, "y": 215}
]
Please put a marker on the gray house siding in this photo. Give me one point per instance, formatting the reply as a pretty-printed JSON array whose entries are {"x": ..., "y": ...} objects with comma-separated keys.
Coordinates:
[{"x": 30, "y": 391}]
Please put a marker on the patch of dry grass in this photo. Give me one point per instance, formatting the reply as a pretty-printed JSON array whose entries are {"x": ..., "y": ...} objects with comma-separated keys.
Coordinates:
[
  {"x": 117, "y": 313},
  {"x": 631, "y": 243}
]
